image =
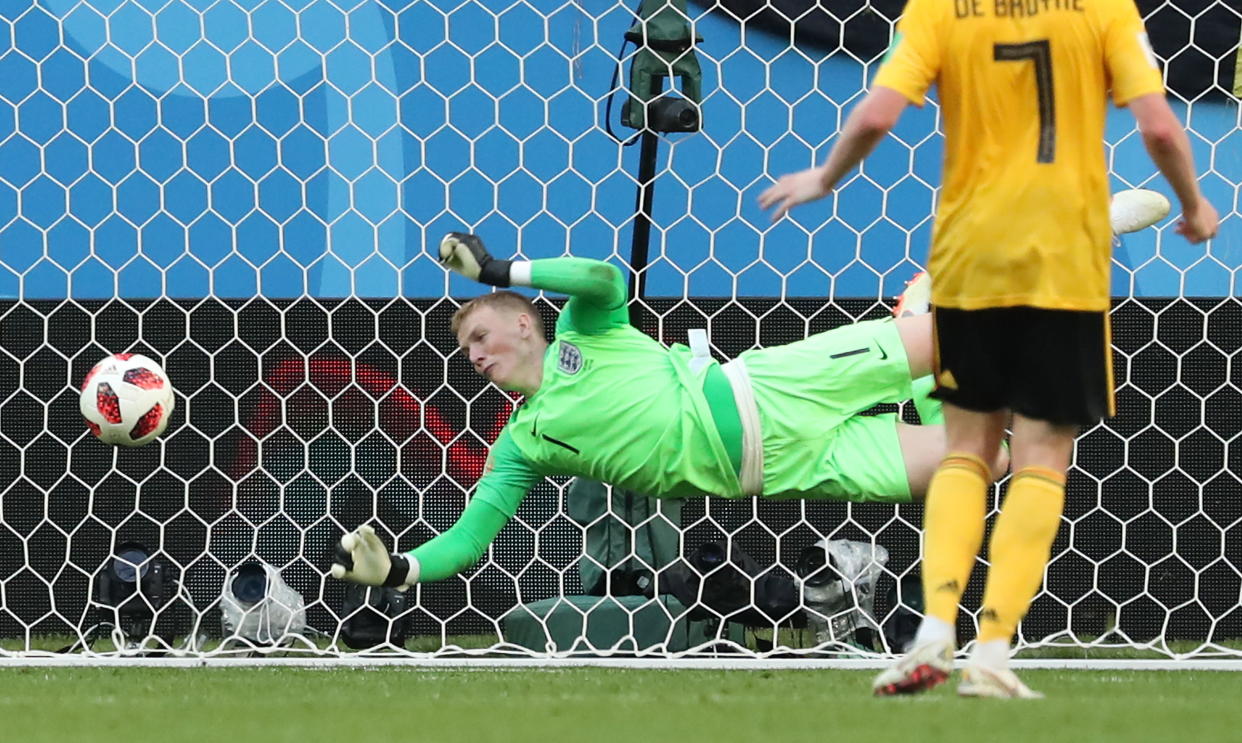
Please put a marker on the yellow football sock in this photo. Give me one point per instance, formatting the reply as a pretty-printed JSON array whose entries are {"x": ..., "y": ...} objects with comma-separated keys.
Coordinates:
[
  {"x": 952, "y": 531},
  {"x": 1023, "y": 536}
]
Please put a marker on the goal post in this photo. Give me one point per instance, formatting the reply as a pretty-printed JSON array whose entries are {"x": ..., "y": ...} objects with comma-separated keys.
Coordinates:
[{"x": 250, "y": 192}]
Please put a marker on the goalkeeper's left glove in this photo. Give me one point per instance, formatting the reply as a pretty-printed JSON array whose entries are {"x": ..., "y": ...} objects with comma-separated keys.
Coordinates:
[
  {"x": 360, "y": 557},
  {"x": 465, "y": 254}
]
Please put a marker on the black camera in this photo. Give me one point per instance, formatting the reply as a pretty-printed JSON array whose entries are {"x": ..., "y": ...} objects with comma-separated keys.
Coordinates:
[
  {"x": 131, "y": 588},
  {"x": 672, "y": 114},
  {"x": 250, "y": 583},
  {"x": 374, "y": 616}
]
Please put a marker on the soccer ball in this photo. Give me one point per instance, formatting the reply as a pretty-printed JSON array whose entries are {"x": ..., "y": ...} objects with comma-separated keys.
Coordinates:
[{"x": 126, "y": 400}]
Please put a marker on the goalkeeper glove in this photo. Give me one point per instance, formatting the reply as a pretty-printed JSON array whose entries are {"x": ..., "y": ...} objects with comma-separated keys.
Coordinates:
[
  {"x": 465, "y": 254},
  {"x": 360, "y": 557}
]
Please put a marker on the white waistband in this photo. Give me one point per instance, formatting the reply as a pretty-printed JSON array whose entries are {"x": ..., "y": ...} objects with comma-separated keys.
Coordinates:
[{"x": 751, "y": 475}]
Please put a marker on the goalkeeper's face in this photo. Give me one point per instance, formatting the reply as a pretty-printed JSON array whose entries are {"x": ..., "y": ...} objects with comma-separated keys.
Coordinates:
[{"x": 502, "y": 346}]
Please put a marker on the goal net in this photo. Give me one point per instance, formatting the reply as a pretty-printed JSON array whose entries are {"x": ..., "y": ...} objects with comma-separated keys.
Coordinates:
[{"x": 250, "y": 192}]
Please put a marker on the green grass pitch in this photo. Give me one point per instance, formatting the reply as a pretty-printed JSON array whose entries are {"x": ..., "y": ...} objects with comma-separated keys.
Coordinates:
[{"x": 389, "y": 705}]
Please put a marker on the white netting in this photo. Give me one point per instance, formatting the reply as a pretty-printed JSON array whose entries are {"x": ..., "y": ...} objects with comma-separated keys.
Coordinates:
[{"x": 245, "y": 189}]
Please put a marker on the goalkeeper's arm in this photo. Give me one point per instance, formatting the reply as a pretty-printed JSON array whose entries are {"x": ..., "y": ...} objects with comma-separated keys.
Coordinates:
[
  {"x": 362, "y": 558},
  {"x": 597, "y": 288}
]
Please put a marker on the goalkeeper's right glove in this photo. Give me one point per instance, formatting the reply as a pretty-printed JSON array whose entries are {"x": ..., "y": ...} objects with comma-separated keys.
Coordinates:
[
  {"x": 465, "y": 254},
  {"x": 360, "y": 557}
]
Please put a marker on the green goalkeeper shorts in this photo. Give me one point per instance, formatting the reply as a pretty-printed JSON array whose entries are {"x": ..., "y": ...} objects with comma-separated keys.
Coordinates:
[{"x": 809, "y": 395}]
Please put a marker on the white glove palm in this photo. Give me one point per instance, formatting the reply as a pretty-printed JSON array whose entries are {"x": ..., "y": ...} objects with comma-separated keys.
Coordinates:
[
  {"x": 362, "y": 558},
  {"x": 464, "y": 254}
]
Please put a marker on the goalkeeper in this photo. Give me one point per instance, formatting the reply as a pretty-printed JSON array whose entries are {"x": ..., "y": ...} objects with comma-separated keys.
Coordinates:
[{"x": 607, "y": 402}]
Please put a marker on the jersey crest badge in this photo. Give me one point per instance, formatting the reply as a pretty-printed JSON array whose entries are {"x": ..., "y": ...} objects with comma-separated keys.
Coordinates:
[{"x": 570, "y": 360}]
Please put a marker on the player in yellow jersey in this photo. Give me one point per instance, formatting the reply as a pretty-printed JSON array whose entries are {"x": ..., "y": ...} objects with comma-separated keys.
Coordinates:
[{"x": 1020, "y": 262}]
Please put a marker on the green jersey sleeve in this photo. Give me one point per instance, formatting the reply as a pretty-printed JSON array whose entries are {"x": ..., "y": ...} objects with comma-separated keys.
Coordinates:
[
  {"x": 506, "y": 479},
  {"x": 596, "y": 290},
  {"x": 461, "y": 545}
]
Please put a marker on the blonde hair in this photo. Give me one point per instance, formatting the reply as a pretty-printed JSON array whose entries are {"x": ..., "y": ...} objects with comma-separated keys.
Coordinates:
[{"x": 501, "y": 300}]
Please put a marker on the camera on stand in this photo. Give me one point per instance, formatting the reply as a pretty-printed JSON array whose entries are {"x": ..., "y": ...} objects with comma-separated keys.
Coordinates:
[{"x": 665, "y": 51}]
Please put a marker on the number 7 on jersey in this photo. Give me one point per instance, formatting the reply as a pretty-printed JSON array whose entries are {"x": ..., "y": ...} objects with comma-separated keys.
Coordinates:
[{"x": 1039, "y": 52}]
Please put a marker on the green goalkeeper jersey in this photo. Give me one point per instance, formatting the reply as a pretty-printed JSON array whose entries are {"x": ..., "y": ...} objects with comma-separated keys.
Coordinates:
[
  {"x": 618, "y": 407},
  {"x": 614, "y": 405}
]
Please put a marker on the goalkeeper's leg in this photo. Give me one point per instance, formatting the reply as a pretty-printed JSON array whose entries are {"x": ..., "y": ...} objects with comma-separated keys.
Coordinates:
[
  {"x": 923, "y": 449},
  {"x": 914, "y": 324}
]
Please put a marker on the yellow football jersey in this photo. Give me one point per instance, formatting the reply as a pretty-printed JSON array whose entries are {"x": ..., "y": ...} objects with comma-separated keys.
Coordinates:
[{"x": 1023, "y": 213}]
